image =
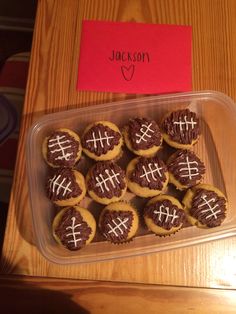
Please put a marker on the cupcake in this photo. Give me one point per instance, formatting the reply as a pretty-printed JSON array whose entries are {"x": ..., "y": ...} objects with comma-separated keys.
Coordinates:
[
  {"x": 106, "y": 182},
  {"x": 74, "y": 227},
  {"x": 185, "y": 169},
  {"x": 205, "y": 206},
  {"x": 118, "y": 222},
  {"x": 62, "y": 148},
  {"x": 142, "y": 136},
  {"x": 102, "y": 141},
  {"x": 66, "y": 187},
  {"x": 181, "y": 129},
  {"x": 147, "y": 177},
  {"x": 164, "y": 215}
]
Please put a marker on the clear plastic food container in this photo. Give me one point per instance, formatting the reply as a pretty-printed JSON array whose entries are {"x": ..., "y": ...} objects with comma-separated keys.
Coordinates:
[{"x": 216, "y": 148}]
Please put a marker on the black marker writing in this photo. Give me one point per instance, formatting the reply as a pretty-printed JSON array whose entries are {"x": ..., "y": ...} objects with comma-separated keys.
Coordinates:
[{"x": 124, "y": 56}]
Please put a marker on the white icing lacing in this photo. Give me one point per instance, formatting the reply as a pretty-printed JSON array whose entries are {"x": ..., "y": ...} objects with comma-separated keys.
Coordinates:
[
  {"x": 165, "y": 212},
  {"x": 56, "y": 185},
  {"x": 186, "y": 123},
  {"x": 210, "y": 208},
  {"x": 192, "y": 171},
  {"x": 151, "y": 172},
  {"x": 73, "y": 232},
  {"x": 145, "y": 129},
  {"x": 102, "y": 180},
  {"x": 100, "y": 139},
  {"x": 58, "y": 141},
  {"x": 118, "y": 223}
]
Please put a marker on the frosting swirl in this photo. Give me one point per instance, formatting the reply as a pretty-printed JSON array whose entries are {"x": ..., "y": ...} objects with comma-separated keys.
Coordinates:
[
  {"x": 115, "y": 225},
  {"x": 106, "y": 179},
  {"x": 186, "y": 167},
  {"x": 62, "y": 149},
  {"x": 62, "y": 185},
  {"x": 208, "y": 208},
  {"x": 143, "y": 133},
  {"x": 72, "y": 230},
  {"x": 100, "y": 139},
  {"x": 165, "y": 214},
  {"x": 182, "y": 126},
  {"x": 149, "y": 173}
]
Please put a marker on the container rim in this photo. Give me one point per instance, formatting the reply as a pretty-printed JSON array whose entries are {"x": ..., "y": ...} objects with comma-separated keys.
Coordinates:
[
  {"x": 54, "y": 116},
  {"x": 48, "y": 118}
]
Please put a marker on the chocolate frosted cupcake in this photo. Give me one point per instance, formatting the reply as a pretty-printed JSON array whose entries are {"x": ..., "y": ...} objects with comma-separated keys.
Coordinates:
[
  {"x": 181, "y": 129},
  {"x": 62, "y": 148},
  {"x": 106, "y": 182},
  {"x": 164, "y": 215},
  {"x": 185, "y": 169},
  {"x": 102, "y": 141},
  {"x": 118, "y": 222},
  {"x": 205, "y": 206},
  {"x": 66, "y": 187},
  {"x": 74, "y": 227},
  {"x": 147, "y": 177},
  {"x": 142, "y": 136}
]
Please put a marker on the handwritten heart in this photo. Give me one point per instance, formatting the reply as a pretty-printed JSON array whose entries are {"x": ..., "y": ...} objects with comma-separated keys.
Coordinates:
[{"x": 127, "y": 72}]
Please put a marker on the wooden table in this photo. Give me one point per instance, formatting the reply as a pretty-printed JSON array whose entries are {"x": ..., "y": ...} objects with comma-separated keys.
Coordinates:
[{"x": 52, "y": 87}]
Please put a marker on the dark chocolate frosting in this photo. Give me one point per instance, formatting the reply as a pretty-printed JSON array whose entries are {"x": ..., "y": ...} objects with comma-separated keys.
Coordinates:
[
  {"x": 62, "y": 149},
  {"x": 149, "y": 173},
  {"x": 208, "y": 208},
  {"x": 115, "y": 225},
  {"x": 100, "y": 139},
  {"x": 144, "y": 133},
  {"x": 107, "y": 179},
  {"x": 186, "y": 167},
  {"x": 62, "y": 185},
  {"x": 182, "y": 126},
  {"x": 72, "y": 230},
  {"x": 165, "y": 214}
]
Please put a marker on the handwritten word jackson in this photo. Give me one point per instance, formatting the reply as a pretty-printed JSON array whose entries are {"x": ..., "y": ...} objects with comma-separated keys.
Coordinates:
[{"x": 129, "y": 56}]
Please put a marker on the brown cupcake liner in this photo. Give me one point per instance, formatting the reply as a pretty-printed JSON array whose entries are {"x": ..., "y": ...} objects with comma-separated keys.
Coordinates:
[
  {"x": 166, "y": 235},
  {"x": 123, "y": 242},
  {"x": 162, "y": 235}
]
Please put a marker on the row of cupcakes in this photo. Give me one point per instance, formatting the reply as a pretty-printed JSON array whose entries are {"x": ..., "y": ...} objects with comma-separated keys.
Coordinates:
[
  {"x": 106, "y": 181},
  {"x": 103, "y": 140},
  {"x": 74, "y": 226}
]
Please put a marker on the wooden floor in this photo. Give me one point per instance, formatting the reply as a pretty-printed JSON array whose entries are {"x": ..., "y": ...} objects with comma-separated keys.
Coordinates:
[
  {"x": 13, "y": 42},
  {"x": 46, "y": 295},
  {"x": 16, "y": 26},
  {"x": 14, "y": 16},
  {"x": 24, "y": 9}
]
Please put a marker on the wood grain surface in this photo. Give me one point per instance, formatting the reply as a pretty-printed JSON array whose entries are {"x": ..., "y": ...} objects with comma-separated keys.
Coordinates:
[
  {"x": 52, "y": 87},
  {"x": 45, "y": 295}
]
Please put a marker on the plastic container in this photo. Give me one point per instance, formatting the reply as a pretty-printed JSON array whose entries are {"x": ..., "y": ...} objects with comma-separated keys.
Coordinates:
[{"x": 216, "y": 148}]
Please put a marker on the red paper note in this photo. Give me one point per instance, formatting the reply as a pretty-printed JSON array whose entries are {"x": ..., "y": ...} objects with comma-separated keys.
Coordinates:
[{"x": 134, "y": 58}]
